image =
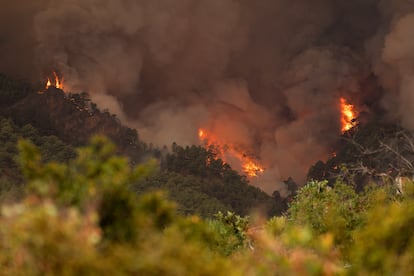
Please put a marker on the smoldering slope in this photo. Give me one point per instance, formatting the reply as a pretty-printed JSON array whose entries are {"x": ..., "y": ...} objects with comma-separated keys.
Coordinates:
[{"x": 265, "y": 75}]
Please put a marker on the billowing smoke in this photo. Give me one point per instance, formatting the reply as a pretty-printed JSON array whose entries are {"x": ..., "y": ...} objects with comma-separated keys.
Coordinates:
[{"x": 265, "y": 75}]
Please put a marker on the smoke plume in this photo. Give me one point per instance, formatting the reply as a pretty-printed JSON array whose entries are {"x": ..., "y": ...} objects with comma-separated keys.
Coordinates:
[{"x": 264, "y": 75}]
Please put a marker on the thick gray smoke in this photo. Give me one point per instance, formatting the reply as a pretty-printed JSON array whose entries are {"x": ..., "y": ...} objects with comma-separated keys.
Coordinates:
[{"x": 263, "y": 75}]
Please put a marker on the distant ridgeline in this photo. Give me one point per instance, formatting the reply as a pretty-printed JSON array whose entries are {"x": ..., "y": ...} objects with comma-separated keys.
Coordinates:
[{"x": 59, "y": 122}]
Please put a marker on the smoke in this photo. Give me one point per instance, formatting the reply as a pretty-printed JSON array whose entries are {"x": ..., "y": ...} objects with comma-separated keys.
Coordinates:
[
  {"x": 398, "y": 54},
  {"x": 264, "y": 75}
]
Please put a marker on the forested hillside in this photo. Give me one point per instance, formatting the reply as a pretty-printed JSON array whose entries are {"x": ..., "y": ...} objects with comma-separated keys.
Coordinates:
[
  {"x": 59, "y": 122},
  {"x": 196, "y": 174}
]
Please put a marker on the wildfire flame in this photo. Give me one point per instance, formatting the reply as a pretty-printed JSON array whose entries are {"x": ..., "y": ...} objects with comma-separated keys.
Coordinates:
[
  {"x": 348, "y": 115},
  {"x": 58, "y": 82},
  {"x": 249, "y": 165}
]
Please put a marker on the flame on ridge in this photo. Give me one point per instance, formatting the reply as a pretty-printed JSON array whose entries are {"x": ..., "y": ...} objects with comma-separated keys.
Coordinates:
[
  {"x": 348, "y": 115},
  {"x": 249, "y": 165},
  {"x": 58, "y": 82}
]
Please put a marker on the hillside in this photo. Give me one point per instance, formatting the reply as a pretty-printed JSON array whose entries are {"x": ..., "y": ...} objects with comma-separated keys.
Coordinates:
[
  {"x": 70, "y": 120},
  {"x": 373, "y": 152}
]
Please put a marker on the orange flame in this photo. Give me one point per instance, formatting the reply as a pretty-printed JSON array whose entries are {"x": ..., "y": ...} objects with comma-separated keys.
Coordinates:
[
  {"x": 48, "y": 84},
  {"x": 249, "y": 165},
  {"x": 58, "y": 82},
  {"x": 348, "y": 116},
  {"x": 252, "y": 169}
]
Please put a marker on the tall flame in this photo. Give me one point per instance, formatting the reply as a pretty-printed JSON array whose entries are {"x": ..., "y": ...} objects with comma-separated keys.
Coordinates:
[
  {"x": 348, "y": 116},
  {"x": 58, "y": 82},
  {"x": 48, "y": 84},
  {"x": 250, "y": 166}
]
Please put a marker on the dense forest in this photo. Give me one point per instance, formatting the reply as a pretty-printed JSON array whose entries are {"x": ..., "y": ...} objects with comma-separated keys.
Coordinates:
[{"x": 82, "y": 194}]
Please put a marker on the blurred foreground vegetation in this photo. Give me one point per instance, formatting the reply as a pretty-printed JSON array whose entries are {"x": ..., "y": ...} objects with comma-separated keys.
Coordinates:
[{"x": 81, "y": 218}]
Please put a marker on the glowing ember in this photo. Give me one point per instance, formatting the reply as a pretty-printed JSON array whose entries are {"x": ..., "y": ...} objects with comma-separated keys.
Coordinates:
[
  {"x": 249, "y": 165},
  {"x": 58, "y": 82},
  {"x": 348, "y": 115}
]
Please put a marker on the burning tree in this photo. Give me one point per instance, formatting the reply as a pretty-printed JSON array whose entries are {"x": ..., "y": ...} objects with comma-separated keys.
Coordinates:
[{"x": 348, "y": 115}]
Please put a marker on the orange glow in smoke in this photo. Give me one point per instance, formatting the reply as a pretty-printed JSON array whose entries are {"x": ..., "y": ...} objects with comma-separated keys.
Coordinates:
[
  {"x": 201, "y": 133},
  {"x": 249, "y": 164}
]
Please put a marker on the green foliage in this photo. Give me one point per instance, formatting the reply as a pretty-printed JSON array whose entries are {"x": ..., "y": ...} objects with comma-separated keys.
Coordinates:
[
  {"x": 373, "y": 227},
  {"x": 236, "y": 226},
  {"x": 77, "y": 182},
  {"x": 95, "y": 177},
  {"x": 338, "y": 210},
  {"x": 117, "y": 212},
  {"x": 156, "y": 211},
  {"x": 201, "y": 162},
  {"x": 385, "y": 246},
  {"x": 81, "y": 218},
  {"x": 85, "y": 205},
  {"x": 187, "y": 191},
  {"x": 50, "y": 147},
  {"x": 214, "y": 178}
]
